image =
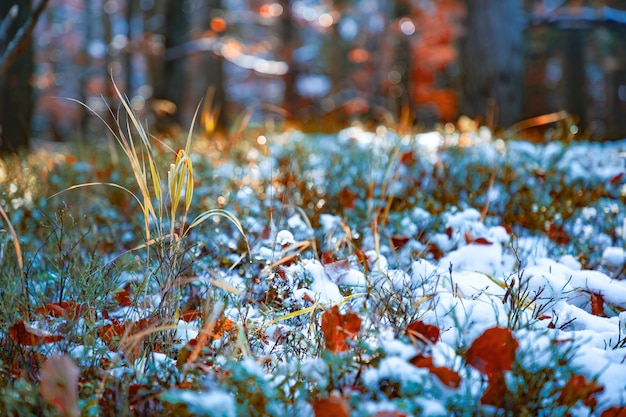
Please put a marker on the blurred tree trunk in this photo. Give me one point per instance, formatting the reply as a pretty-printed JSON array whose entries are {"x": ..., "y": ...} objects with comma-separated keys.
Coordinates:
[
  {"x": 492, "y": 61},
  {"x": 171, "y": 85},
  {"x": 289, "y": 38},
  {"x": 213, "y": 68},
  {"x": 16, "y": 91},
  {"x": 576, "y": 100}
]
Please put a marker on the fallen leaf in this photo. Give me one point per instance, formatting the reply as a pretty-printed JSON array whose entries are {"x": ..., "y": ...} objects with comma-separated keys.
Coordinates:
[
  {"x": 332, "y": 406},
  {"x": 26, "y": 335},
  {"x": 617, "y": 178},
  {"x": 577, "y": 389},
  {"x": 338, "y": 328},
  {"x": 389, "y": 414},
  {"x": 346, "y": 198},
  {"x": 614, "y": 412},
  {"x": 477, "y": 241},
  {"x": 67, "y": 310},
  {"x": 399, "y": 241},
  {"x": 597, "y": 304},
  {"x": 123, "y": 297},
  {"x": 495, "y": 393},
  {"x": 190, "y": 315},
  {"x": 447, "y": 376},
  {"x": 423, "y": 332},
  {"x": 335, "y": 270},
  {"x": 493, "y": 352},
  {"x": 59, "y": 385}
]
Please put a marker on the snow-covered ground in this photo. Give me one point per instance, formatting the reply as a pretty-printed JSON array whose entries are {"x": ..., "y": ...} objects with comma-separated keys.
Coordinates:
[{"x": 424, "y": 243}]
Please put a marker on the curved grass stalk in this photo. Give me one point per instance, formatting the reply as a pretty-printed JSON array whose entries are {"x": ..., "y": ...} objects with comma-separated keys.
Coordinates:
[{"x": 202, "y": 217}]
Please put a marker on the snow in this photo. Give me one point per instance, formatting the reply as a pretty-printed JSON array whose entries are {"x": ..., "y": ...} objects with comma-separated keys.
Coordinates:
[
  {"x": 484, "y": 276},
  {"x": 210, "y": 404}
]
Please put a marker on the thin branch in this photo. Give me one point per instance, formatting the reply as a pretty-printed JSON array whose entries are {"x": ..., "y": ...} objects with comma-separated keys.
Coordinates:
[{"x": 19, "y": 43}]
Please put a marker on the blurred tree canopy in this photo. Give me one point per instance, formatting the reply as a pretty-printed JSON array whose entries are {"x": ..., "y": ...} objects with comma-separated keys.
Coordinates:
[{"x": 310, "y": 64}]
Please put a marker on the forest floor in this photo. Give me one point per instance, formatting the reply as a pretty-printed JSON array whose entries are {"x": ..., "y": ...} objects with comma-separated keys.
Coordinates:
[{"x": 355, "y": 274}]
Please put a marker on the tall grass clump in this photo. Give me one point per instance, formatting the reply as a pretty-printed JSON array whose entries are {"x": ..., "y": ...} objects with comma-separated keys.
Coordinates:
[{"x": 164, "y": 197}]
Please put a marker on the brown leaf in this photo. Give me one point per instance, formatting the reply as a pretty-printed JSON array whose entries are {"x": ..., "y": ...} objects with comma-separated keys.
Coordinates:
[
  {"x": 422, "y": 331},
  {"x": 577, "y": 389},
  {"x": 67, "y": 310},
  {"x": 493, "y": 352},
  {"x": 338, "y": 328},
  {"x": 614, "y": 412},
  {"x": 190, "y": 315},
  {"x": 332, "y": 406},
  {"x": 346, "y": 198},
  {"x": 335, "y": 270},
  {"x": 447, "y": 376},
  {"x": 123, "y": 297},
  {"x": 597, "y": 304},
  {"x": 399, "y": 241},
  {"x": 389, "y": 414},
  {"x": 59, "y": 385},
  {"x": 617, "y": 178},
  {"x": 496, "y": 391},
  {"x": 477, "y": 241},
  {"x": 26, "y": 335}
]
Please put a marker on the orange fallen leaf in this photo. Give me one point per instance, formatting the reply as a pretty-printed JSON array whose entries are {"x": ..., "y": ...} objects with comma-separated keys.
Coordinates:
[
  {"x": 339, "y": 328},
  {"x": 617, "y": 178},
  {"x": 26, "y": 335},
  {"x": 597, "y": 304},
  {"x": 67, "y": 310},
  {"x": 190, "y": 315},
  {"x": 123, "y": 297},
  {"x": 423, "y": 331},
  {"x": 577, "y": 389},
  {"x": 493, "y": 352},
  {"x": 332, "y": 406},
  {"x": 495, "y": 393},
  {"x": 614, "y": 412},
  {"x": 447, "y": 376},
  {"x": 389, "y": 414},
  {"x": 59, "y": 385}
]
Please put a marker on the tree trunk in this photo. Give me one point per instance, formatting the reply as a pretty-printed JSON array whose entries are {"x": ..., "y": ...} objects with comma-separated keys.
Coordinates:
[
  {"x": 492, "y": 61},
  {"x": 172, "y": 84},
  {"x": 16, "y": 91},
  {"x": 290, "y": 39}
]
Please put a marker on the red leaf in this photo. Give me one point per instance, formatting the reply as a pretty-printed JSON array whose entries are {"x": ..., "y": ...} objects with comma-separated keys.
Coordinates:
[
  {"x": 558, "y": 234},
  {"x": 422, "y": 331},
  {"x": 338, "y": 328},
  {"x": 577, "y": 389},
  {"x": 389, "y": 414},
  {"x": 597, "y": 305},
  {"x": 399, "y": 241},
  {"x": 67, "y": 310},
  {"x": 346, "y": 198},
  {"x": 190, "y": 315},
  {"x": 493, "y": 352},
  {"x": 617, "y": 178},
  {"x": 332, "y": 406},
  {"x": 59, "y": 385},
  {"x": 123, "y": 298},
  {"x": 335, "y": 270},
  {"x": 495, "y": 393},
  {"x": 614, "y": 412},
  {"x": 26, "y": 335},
  {"x": 478, "y": 241},
  {"x": 447, "y": 376}
]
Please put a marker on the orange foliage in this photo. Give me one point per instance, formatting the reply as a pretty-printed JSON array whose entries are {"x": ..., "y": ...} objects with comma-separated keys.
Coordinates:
[{"x": 339, "y": 328}]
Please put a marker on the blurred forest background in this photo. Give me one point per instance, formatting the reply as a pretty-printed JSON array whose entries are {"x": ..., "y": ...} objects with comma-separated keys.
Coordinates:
[{"x": 311, "y": 64}]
